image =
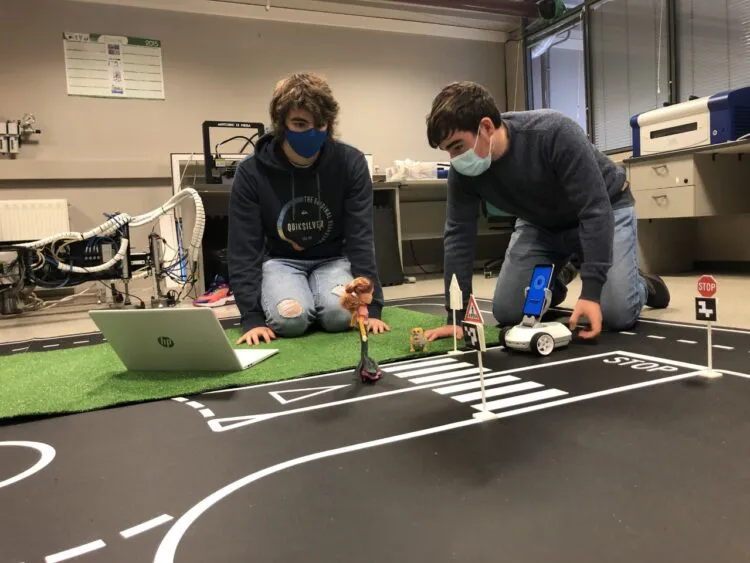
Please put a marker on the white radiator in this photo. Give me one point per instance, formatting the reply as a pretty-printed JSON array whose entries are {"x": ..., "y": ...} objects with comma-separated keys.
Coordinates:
[{"x": 32, "y": 219}]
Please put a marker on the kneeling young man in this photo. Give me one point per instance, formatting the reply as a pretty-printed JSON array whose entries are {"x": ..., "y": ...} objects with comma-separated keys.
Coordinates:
[
  {"x": 570, "y": 200},
  {"x": 300, "y": 220}
]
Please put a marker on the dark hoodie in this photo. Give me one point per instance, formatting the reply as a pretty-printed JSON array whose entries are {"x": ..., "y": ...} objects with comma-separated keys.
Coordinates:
[{"x": 278, "y": 210}]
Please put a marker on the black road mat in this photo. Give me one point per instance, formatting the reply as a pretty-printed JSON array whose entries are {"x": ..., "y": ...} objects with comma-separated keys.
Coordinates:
[{"x": 613, "y": 451}]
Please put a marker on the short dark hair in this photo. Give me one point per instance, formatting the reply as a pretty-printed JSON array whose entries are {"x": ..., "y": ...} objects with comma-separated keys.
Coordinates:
[
  {"x": 308, "y": 91},
  {"x": 460, "y": 106}
]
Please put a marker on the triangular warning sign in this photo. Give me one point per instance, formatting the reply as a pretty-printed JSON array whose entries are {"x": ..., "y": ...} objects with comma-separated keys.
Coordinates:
[
  {"x": 473, "y": 314},
  {"x": 305, "y": 393}
]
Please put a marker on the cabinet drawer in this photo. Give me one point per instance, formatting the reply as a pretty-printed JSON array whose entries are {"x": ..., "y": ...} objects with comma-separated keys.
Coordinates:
[
  {"x": 665, "y": 203},
  {"x": 662, "y": 174}
]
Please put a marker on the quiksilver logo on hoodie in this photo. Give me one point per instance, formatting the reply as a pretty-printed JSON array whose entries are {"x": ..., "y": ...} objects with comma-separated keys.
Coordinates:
[{"x": 304, "y": 222}]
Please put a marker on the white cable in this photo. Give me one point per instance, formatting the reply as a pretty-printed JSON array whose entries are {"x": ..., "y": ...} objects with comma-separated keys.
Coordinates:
[{"x": 112, "y": 225}]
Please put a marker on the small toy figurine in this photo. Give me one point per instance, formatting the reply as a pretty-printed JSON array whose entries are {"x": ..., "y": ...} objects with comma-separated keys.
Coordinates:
[
  {"x": 417, "y": 340},
  {"x": 357, "y": 296}
]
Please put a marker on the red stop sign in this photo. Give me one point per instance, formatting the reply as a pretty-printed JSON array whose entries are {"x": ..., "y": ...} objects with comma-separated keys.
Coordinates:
[{"x": 707, "y": 286}]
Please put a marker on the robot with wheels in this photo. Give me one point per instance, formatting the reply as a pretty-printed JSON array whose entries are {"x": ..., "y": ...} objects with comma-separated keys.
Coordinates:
[{"x": 532, "y": 335}]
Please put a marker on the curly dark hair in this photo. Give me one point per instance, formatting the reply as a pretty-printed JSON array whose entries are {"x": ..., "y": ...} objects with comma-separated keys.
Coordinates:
[
  {"x": 460, "y": 106},
  {"x": 306, "y": 91}
]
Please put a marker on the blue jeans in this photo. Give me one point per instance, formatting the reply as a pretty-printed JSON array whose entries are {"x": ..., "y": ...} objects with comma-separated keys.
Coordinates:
[
  {"x": 298, "y": 293},
  {"x": 624, "y": 292}
]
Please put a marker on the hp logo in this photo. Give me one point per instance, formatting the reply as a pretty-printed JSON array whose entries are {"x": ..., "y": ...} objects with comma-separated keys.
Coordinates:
[{"x": 166, "y": 342}]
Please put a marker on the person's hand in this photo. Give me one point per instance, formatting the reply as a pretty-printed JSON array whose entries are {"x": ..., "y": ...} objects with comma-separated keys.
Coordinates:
[
  {"x": 593, "y": 312},
  {"x": 377, "y": 326},
  {"x": 254, "y": 336},
  {"x": 444, "y": 332}
]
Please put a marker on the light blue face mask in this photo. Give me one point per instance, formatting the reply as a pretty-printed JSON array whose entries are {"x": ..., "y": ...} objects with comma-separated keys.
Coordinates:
[{"x": 471, "y": 164}]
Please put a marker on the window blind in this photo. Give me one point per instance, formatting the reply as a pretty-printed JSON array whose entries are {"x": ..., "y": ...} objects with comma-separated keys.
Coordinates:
[
  {"x": 713, "y": 45},
  {"x": 630, "y": 65}
]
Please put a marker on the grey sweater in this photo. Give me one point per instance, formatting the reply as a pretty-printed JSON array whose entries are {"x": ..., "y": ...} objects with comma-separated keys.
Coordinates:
[{"x": 551, "y": 176}]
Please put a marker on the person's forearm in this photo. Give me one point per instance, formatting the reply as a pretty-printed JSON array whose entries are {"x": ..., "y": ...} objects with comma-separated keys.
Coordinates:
[{"x": 597, "y": 236}]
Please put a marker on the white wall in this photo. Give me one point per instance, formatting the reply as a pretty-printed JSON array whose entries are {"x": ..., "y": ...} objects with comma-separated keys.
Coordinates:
[{"x": 220, "y": 68}]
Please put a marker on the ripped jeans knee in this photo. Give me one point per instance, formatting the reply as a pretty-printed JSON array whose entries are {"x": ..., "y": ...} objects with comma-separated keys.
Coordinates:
[{"x": 290, "y": 319}]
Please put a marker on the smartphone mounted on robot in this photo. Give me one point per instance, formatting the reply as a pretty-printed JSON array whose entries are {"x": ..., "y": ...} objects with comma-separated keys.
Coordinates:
[{"x": 531, "y": 334}]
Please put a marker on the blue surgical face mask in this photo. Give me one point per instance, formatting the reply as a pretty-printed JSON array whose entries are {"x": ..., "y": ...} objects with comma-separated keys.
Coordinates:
[
  {"x": 471, "y": 164},
  {"x": 306, "y": 143}
]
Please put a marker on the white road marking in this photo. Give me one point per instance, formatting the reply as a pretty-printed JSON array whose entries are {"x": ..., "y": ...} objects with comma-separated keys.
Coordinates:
[
  {"x": 194, "y": 404},
  {"x": 688, "y": 341},
  {"x": 207, "y": 413},
  {"x": 81, "y": 342},
  {"x": 682, "y": 325},
  {"x": 151, "y": 524},
  {"x": 720, "y": 347},
  {"x": 20, "y": 349},
  {"x": 661, "y": 360},
  {"x": 168, "y": 547},
  {"x": 347, "y": 371},
  {"x": 75, "y": 552},
  {"x": 48, "y": 454},
  {"x": 180, "y": 399},
  {"x": 433, "y": 369},
  {"x": 628, "y": 333},
  {"x": 278, "y": 395},
  {"x": 50, "y": 346},
  {"x": 522, "y": 399},
  {"x": 236, "y": 324},
  {"x": 475, "y": 384},
  {"x": 423, "y": 364},
  {"x": 656, "y": 337},
  {"x": 449, "y": 375},
  {"x": 738, "y": 374},
  {"x": 497, "y": 391},
  {"x": 224, "y": 424}
]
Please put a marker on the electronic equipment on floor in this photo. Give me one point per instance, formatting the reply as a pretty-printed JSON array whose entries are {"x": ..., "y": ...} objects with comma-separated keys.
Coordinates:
[
  {"x": 710, "y": 120},
  {"x": 102, "y": 254},
  {"x": 176, "y": 339}
]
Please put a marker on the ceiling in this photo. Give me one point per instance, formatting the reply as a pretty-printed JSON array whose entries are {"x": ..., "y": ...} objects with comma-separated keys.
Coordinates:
[{"x": 498, "y": 15}]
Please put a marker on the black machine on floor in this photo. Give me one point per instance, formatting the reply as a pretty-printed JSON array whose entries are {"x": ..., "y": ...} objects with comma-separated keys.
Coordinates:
[{"x": 102, "y": 254}]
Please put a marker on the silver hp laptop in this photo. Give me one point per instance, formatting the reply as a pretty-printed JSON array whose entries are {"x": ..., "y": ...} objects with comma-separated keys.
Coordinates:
[{"x": 176, "y": 339}]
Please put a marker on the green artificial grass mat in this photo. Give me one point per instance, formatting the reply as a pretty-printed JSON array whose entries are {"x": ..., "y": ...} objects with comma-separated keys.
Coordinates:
[{"x": 93, "y": 377}]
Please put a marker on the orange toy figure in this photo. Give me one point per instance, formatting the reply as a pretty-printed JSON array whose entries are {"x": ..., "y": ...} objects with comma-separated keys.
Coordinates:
[{"x": 357, "y": 296}]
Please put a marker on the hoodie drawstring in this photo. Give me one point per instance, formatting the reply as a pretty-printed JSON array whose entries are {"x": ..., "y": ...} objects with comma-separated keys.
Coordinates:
[{"x": 320, "y": 202}]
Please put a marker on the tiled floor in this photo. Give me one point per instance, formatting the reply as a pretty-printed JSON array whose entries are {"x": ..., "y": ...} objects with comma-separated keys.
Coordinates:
[{"x": 734, "y": 306}]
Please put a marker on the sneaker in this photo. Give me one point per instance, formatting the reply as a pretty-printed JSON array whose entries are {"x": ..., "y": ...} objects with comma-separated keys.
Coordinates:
[
  {"x": 657, "y": 291},
  {"x": 218, "y": 295},
  {"x": 570, "y": 271}
]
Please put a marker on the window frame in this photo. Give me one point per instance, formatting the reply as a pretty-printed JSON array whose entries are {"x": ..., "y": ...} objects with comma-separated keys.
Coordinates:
[{"x": 582, "y": 15}]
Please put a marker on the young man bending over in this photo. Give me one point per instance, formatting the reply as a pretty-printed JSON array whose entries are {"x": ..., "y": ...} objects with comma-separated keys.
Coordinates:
[
  {"x": 300, "y": 220},
  {"x": 570, "y": 200}
]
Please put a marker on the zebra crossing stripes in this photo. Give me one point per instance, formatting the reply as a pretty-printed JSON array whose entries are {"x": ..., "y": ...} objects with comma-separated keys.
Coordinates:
[
  {"x": 521, "y": 399},
  {"x": 515, "y": 390},
  {"x": 448, "y": 375},
  {"x": 496, "y": 391},
  {"x": 401, "y": 370},
  {"x": 488, "y": 382}
]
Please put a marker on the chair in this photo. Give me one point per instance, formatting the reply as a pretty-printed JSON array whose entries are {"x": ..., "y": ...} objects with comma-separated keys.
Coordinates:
[{"x": 497, "y": 220}]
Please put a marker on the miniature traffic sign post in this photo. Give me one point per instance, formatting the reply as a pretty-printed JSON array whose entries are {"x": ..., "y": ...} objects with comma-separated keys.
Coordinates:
[
  {"x": 706, "y": 310},
  {"x": 473, "y": 326},
  {"x": 456, "y": 304}
]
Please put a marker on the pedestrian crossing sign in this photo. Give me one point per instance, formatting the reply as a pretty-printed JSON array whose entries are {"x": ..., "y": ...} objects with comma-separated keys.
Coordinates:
[{"x": 473, "y": 314}]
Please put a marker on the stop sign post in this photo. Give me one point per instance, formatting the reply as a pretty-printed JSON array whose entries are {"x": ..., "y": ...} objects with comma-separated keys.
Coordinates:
[{"x": 707, "y": 287}]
